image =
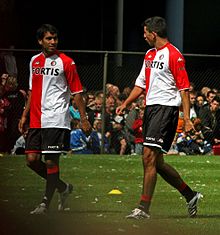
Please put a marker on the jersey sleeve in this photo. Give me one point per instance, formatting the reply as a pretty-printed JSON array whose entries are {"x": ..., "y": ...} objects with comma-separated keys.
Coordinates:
[
  {"x": 30, "y": 75},
  {"x": 141, "y": 80},
  {"x": 73, "y": 77},
  {"x": 177, "y": 67}
]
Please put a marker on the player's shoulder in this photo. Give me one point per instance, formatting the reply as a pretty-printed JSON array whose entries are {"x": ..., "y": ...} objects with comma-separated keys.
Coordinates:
[
  {"x": 36, "y": 57},
  {"x": 151, "y": 50},
  {"x": 150, "y": 53},
  {"x": 174, "y": 51},
  {"x": 65, "y": 58}
]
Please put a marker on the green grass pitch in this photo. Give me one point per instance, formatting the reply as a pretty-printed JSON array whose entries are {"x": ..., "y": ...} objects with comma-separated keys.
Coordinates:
[{"x": 94, "y": 211}]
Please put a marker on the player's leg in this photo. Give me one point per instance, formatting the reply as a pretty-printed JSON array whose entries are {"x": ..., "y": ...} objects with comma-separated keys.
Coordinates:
[
  {"x": 171, "y": 176},
  {"x": 55, "y": 141},
  {"x": 167, "y": 172},
  {"x": 35, "y": 163},
  {"x": 150, "y": 177},
  {"x": 149, "y": 182},
  {"x": 53, "y": 181},
  {"x": 33, "y": 152}
]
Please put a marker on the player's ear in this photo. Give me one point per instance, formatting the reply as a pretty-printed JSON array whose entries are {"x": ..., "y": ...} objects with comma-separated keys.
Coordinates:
[
  {"x": 40, "y": 42},
  {"x": 154, "y": 34}
]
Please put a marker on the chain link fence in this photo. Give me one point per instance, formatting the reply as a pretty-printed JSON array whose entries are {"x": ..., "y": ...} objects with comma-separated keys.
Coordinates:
[
  {"x": 97, "y": 68},
  {"x": 122, "y": 68}
]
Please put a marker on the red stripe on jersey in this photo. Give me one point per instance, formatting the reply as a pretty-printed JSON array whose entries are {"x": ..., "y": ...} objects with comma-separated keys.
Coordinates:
[
  {"x": 71, "y": 74},
  {"x": 177, "y": 67},
  {"x": 36, "y": 94},
  {"x": 149, "y": 57}
]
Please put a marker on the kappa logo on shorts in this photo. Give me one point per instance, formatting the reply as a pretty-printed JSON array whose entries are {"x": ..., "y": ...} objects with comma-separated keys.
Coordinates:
[
  {"x": 150, "y": 138},
  {"x": 160, "y": 140}
]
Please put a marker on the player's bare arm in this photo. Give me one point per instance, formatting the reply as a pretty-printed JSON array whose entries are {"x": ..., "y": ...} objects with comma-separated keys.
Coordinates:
[
  {"x": 135, "y": 93},
  {"x": 25, "y": 114},
  {"x": 86, "y": 126},
  {"x": 188, "y": 125}
]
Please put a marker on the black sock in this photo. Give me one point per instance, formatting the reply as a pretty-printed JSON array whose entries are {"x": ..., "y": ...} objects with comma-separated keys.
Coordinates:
[
  {"x": 50, "y": 188},
  {"x": 186, "y": 191},
  {"x": 39, "y": 167},
  {"x": 144, "y": 206}
]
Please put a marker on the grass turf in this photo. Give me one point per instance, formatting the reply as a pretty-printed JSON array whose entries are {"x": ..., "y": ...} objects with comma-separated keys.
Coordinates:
[{"x": 94, "y": 211}]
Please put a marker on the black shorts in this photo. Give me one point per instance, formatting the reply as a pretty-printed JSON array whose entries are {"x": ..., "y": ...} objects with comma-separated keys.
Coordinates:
[
  {"x": 159, "y": 126},
  {"x": 47, "y": 140}
]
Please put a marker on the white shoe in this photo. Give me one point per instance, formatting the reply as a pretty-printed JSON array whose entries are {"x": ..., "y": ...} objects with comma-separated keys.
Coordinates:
[
  {"x": 41, "y": 209},
  {"x": 63, "y": 197},
  {"x": 138, "y": 214},
  {"x": 192, "y": 205}
]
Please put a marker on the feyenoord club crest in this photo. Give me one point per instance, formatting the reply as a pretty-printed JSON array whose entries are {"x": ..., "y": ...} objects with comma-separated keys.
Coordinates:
[
  {"x": 53, "y": 63},
  {"x": 161, "y": 57}
]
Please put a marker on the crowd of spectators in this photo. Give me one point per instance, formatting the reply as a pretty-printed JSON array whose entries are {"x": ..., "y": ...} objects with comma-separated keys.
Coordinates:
[
  {"x": 205, "y": 114},
  {"x": 122, "y": 134},
  {"x": 12, "y": 102}
]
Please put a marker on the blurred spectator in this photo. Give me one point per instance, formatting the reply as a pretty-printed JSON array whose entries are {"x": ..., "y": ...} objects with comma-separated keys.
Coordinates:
[
  {"x": 200, "y": 100},
  {"x": 126, "y": 91},
  {"x": 130, "y": 115},
  {"x": 9, "y": 60},
  {"x": 95, "y": 138},
  {"x": 94, "y": 113},
  {"x": 119, "y": 141},
  {"x": 112, "y": 90},
  {"x": 194, "y": 142},
  {"x": 90, "y": 101},
  {"x": 205, "y": 90},
  {"x": 74, "y": 112},
  {"x": 194, "y": 109},
  {"x": 78, "y": 140},
  {"x": 19, "y": 147},
  {"x": 210, "y": 120},
  {"x": 4, "y": 106},
  {"x": 137, "y": 127},
  {"x": 192, "y": 87},
  {"x": 109, "y": 115},
  {"x": 209, "y": 97},
  {"x": 11, "y": 109},
  {"x": 179, "y": 130}
]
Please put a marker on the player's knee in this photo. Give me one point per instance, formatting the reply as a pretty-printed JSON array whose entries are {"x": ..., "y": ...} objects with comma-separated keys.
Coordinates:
[
  {"x": 149, "y": 158},
  {"x": 31, "y": 159}
]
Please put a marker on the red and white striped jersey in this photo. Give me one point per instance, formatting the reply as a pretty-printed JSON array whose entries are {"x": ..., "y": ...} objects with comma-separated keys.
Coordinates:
[
  {"x": 163, "y": 75},
  {"x": 52, "y": 80}
]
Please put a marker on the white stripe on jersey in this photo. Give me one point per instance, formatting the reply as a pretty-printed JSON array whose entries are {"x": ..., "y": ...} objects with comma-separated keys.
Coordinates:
[
  {"x": 52, "y": 80},
  {"x": 163, "y": 74}
]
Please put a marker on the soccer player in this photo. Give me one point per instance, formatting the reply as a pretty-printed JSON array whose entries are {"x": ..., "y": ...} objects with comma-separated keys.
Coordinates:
[
  {"x": 164, "y": 78},
  {"x": 53, "y": 79}
]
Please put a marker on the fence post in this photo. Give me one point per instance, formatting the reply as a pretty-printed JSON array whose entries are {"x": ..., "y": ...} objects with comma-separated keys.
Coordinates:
[{"x": 104, "y": 99}]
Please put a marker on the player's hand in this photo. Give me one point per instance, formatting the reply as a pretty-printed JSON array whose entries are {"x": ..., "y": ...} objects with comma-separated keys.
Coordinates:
[
  {"x": 21, "y": 124},
  {"x": 120, "y": 109},
  {"x": 86, "y": 127},
  {"x": 188, "y": 126}
]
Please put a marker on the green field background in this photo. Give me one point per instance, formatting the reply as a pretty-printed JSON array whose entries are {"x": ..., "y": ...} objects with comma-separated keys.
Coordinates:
[{"x": 94, "y": 211}]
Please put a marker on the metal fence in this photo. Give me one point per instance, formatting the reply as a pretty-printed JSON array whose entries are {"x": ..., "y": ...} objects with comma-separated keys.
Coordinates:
[
  {"x": 96, "y": 68},
  {"x": 122, "y": 68}
]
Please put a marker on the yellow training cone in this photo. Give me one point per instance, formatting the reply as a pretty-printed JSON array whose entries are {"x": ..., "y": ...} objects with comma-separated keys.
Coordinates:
[{"x": 115, "y": 191}]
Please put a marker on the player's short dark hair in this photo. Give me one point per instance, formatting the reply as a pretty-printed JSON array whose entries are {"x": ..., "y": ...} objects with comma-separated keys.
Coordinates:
[
  {"x": 46, "y": 28},
  {"x": 156, "y": 24}
]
